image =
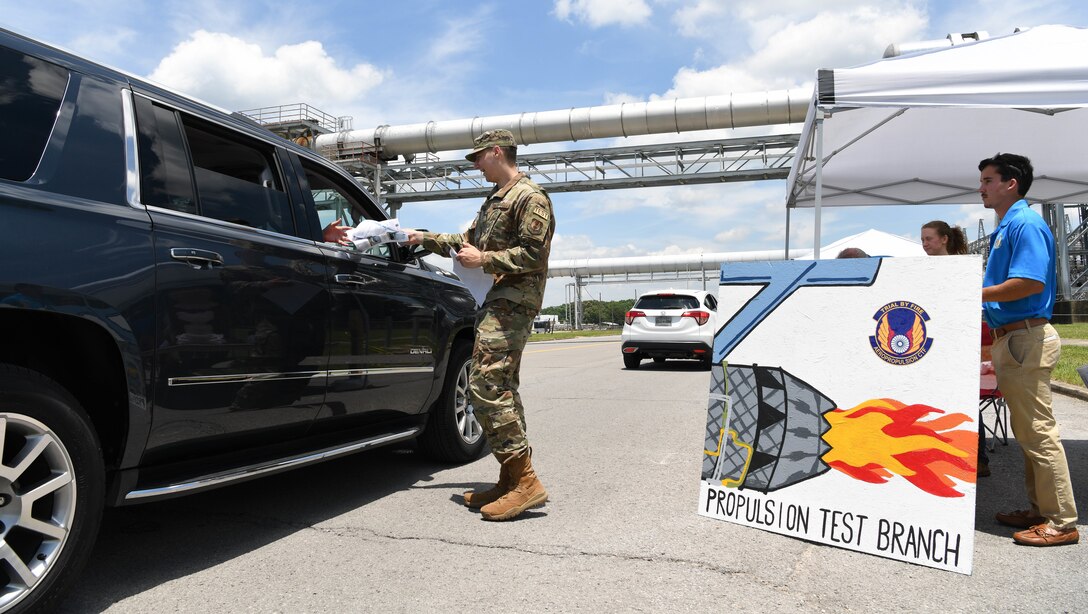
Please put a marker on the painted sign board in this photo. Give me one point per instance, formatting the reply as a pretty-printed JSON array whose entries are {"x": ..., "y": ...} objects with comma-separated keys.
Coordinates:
[{"x": 843, "y": 404}]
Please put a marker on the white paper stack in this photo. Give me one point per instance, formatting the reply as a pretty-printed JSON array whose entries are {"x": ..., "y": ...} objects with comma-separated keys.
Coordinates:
[{"x": 372, "y": 232}]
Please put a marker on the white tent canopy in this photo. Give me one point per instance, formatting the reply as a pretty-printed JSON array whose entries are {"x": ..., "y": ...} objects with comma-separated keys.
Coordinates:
[
  {"x": 912, "y": 129},
  {"x": 873, "y": 242}
]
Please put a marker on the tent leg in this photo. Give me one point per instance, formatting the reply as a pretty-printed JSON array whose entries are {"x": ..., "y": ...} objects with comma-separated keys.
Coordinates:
[
  {"x": 819, "y": 187},
  {"x": 1061, "y": 240},
  {"x": 786, "y": 253}
]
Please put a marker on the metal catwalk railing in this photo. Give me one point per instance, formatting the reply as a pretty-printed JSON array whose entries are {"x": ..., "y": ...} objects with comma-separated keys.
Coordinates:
[{"x": 742, "y": 159}]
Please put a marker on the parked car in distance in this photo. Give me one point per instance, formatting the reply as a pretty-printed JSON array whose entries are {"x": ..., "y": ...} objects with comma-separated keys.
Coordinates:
[
  {"x": 670, "y": 324},
  {"x": 174, "y": 321}
]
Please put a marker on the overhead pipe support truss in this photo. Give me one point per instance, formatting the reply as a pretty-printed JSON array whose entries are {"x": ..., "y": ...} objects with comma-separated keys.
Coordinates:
[{"x": 713, "y": 161}]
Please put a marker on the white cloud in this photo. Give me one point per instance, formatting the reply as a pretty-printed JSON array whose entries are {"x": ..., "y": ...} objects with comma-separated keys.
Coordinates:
[
  {"x": 699, "y": 206},
  {"x": 1001, "y": 17},
  {"x": 104, "y": 43},
  {"x": 237, "y": 74},
  {"x": 689, "y": 82},
  {"x": 569, "y": 247},
  {"x": 833, "y": 40},
  {"x": 620, "y": 98},
  {"x": 600, "y": 13},
  {"x": 694, "y": 20},
  {"x": 786, "y": 44},
  {"x": 462, "y": 36},
  {"x": 733, "y": 234},
  {"x": 968, "y": 216}
]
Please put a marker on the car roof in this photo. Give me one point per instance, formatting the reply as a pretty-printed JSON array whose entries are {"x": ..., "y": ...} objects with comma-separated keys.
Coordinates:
[{"x": 679, "y": 291}]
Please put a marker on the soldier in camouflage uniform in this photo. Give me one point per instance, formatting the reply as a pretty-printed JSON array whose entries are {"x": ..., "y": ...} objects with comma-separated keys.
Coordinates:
[{"x": 510, "y": 239}]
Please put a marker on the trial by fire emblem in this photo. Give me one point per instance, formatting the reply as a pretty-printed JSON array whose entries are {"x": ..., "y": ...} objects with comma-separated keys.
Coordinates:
[{"x": 901, "y": 337}]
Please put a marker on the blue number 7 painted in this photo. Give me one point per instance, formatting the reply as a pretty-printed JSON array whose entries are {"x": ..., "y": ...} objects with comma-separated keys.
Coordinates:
[{"x": 780, "y": 280}]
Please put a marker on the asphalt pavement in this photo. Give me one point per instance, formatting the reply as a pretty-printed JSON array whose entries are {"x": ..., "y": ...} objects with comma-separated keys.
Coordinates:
[{"x": 620, "y": 452}]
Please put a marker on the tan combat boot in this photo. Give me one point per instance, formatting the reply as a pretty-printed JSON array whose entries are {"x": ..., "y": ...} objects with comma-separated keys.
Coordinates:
[
  {"x": 527, "y": 491},
  {"x": 476, "y": 500}
]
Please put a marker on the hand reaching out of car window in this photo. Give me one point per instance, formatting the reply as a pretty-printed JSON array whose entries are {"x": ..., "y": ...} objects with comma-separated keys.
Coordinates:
[{"x": 335, "y": 233}]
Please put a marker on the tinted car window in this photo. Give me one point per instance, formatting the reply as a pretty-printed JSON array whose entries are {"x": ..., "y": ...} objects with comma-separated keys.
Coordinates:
[
  {"x": 236, "y": 180},
  {"x": 165, "y": 180},
  {"x": 333, "y": 203},
  {"x": 30, "y": 95},
  {"x": 675, "y": 301}
]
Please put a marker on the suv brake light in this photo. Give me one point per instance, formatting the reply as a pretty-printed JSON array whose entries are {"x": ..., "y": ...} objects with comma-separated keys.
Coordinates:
[
  {"x": 630, "y": 316},
  {"x": 700, "y": 316}
]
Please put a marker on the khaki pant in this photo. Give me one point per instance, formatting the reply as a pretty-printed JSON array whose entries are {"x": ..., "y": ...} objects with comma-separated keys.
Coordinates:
[
  {"x": 502, "y": 330},
  {"x": 1023, "y": 360}
]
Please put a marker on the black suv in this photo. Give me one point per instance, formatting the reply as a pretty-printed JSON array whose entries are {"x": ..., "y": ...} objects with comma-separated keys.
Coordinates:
[{"x": 171, "y": 321}]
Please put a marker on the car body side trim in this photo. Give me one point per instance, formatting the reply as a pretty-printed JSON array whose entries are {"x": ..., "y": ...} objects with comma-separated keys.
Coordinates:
[
  {"x": 261, "y": 469},
  {"x": 132, "y": 160},
  {"x": 239, "y": 378},
  {"x": 388, "y": 371}
]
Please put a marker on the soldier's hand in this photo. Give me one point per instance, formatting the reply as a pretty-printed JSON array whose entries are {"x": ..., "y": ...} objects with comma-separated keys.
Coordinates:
[
  {"x": 415, "y": 237},
  {"x": 469, "y": 256}
]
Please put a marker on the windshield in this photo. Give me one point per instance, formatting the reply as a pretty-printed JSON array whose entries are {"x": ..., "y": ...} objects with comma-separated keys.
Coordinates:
[{"x": 675, "y": 301}]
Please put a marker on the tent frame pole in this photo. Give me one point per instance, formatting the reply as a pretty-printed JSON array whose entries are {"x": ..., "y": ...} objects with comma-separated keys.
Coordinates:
[
  {"x": 819, "y": 186},
  {"x": 786, "y": 253},
  {"x": 1061, "y": 240}
]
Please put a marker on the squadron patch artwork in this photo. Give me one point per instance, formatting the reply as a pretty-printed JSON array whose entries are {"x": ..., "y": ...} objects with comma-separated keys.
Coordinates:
[
  {"x": 861, "y": 430},
  {"x": 900, "y": 336}
]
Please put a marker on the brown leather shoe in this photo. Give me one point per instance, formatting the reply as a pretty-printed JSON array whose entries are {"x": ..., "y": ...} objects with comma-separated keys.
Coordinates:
[
  {"x": 1021, "y": 519},
  {"x": 1046, "y": 535}
]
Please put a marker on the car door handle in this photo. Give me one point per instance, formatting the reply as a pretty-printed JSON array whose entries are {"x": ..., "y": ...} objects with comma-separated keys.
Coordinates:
[
  {"x": 196, "y": 258},
  {"x": 353, "y": 279}
]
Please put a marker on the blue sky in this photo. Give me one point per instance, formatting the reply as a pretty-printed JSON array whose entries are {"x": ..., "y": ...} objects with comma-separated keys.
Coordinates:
[{"x": 409, "y": 62}]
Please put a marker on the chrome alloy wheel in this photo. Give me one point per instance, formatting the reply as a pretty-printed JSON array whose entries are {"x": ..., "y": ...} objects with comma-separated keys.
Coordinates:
[
  {"x": 37, "y": 503},
  {"x": 467, "y": 426}
]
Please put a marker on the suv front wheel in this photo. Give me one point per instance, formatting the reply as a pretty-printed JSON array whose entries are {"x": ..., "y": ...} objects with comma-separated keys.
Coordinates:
[
  {"x": 453, "y": 434},
  {"x": 51, "y": 489}
]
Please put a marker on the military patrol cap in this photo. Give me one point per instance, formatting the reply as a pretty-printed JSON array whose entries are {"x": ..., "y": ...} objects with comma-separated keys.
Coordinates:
[{"x": 489, "y": 139}]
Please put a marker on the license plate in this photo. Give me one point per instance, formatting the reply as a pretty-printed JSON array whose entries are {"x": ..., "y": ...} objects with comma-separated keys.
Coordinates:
[{"x": 663, "y": 321}]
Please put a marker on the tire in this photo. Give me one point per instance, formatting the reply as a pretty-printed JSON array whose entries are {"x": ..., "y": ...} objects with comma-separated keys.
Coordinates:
[
  {"x": 64, "y": 485},
  {"x": 708, "y": 363},
  {"x": 659, "y": 361},
  {"x": 631, "y": 360},
  {"x": 453, "y": 434}
]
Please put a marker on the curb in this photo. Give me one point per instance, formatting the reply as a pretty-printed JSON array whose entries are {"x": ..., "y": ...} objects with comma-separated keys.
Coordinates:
[{"x": 1078, "y": 392}]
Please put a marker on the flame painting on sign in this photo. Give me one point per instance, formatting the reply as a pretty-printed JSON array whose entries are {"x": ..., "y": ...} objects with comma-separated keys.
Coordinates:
[{"x": 882, "y": 437}]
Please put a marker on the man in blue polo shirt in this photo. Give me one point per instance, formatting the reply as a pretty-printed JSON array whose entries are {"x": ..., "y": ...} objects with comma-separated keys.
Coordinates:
[{"x": 1018, "y": 294}]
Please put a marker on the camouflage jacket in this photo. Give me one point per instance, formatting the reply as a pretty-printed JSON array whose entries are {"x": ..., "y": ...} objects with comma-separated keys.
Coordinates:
[{"x": 514, "y": 231}]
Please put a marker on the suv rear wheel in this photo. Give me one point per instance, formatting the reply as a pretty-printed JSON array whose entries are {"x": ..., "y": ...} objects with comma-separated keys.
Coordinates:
[
  {"x": 631, "y": 360},
  {"x": 453, "y": 434},
  {"x": 51, "y": 489}
]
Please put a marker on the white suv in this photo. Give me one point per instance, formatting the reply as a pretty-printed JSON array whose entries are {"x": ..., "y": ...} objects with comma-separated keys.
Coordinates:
[{"x": 670, "y": 324}]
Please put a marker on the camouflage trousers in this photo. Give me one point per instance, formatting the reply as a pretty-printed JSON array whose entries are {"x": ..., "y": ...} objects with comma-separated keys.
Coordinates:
[{"x": 502, "y": 329}]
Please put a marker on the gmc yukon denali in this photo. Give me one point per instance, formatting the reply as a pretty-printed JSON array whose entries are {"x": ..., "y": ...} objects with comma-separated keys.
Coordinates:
[{"x": 171, "y": 320}]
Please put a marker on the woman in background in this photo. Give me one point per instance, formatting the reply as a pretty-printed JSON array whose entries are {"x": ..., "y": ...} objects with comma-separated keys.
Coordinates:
[{"x": 940, "y": 239}]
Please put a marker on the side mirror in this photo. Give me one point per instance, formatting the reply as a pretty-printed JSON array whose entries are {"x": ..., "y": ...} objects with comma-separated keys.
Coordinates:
[{"x": 413, "y": 252}]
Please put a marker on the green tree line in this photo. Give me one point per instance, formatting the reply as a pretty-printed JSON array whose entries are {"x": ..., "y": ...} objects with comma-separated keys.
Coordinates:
[{"x": 594, "y": 312}]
